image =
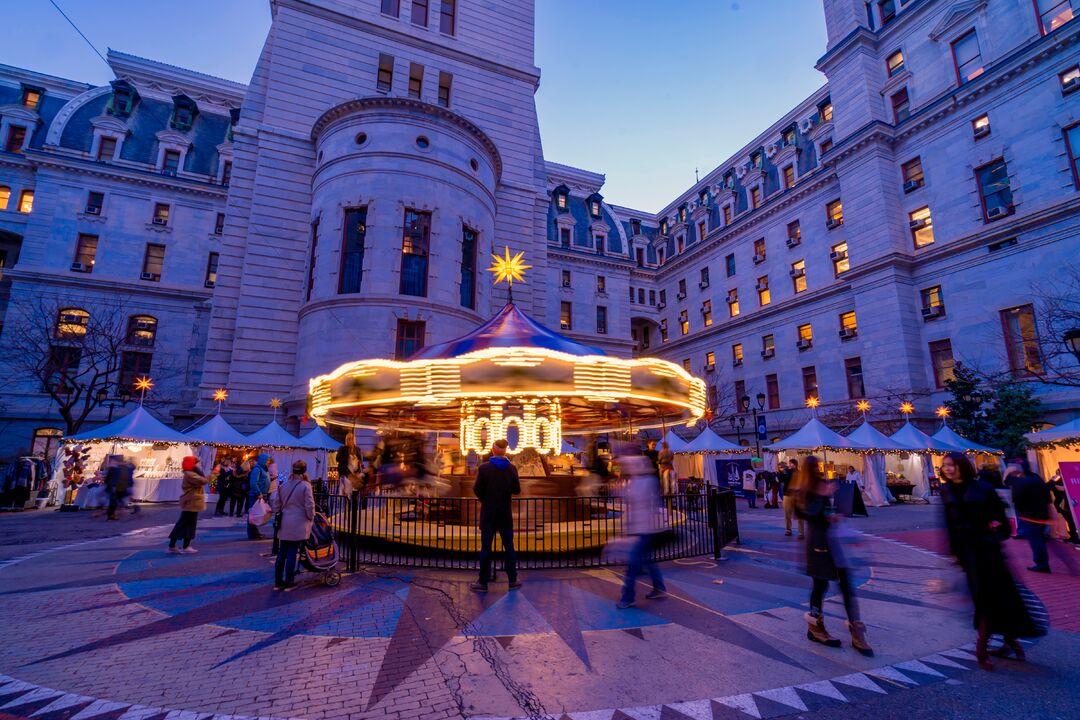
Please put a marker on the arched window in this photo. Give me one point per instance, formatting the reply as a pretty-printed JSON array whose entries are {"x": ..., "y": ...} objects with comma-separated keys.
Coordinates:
[
  {"x": 71, "y": 323},
  {"x": 5, "y": 196},
  {"x": 142, "y": 330}
]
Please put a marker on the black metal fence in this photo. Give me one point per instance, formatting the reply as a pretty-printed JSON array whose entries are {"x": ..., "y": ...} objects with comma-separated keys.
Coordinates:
[{"x": 549, "y": 532}]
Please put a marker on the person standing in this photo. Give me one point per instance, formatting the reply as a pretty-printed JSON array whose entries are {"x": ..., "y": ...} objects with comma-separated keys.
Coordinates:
[
  {"x": 826, "y": 560},
  {"x": 749, "y": 486},
  {"x": 789, "y": 488},
  {"x": 350, "y": 465},
  {"x": 976, "y": 524},
  {"x": 1061, "y": 504},
  {"x": 238, "y": 490},
  {"x": 258, "y": 488},
  {"x": 643, "y": 506},
  {"x": 496, "y": 484},
  {"x": 295, "y": 503},
  {"x": 766, "y": 479},
  {"x": 1031, "y": 500},
  {"x": 118, "y": 478},
  {"x": 666, "y": 460},
  {"x": 192, "y": 502},
  {"x": 654, "y": 456},
  {"x": 224, "y": 489}
]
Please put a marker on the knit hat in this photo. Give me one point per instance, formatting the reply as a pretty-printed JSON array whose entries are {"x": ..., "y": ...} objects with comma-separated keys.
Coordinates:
[{"x": 190, "y": 463}]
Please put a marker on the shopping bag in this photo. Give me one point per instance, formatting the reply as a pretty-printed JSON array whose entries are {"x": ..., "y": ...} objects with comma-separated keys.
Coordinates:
[{"x": 260, "y": 513}]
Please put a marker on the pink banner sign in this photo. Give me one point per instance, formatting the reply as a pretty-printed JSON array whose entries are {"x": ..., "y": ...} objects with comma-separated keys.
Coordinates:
[{"x": 1070, "y": 476}]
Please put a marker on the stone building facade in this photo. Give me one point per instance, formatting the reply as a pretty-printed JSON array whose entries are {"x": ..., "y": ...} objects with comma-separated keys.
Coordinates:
[{"x": 347, "y": 200}]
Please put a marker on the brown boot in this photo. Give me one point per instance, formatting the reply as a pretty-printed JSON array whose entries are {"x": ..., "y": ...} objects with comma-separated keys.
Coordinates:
[
  {"x": 816, "y": 632},
  {"x": 858, "y": 638}
]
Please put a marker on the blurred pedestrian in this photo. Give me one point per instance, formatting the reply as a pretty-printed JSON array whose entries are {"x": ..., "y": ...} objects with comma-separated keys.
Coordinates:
[
  {"x": 976, "y": 523},
  {"x": 238, "y": 489},
  {"x": 1062, "y": 505},
  {"x": 643, "y": 522},
  {"x": 223, "y": 485},
  {"x": 496, "y": 484},
  {"x": 118, "y": 481},
  {"x": 294, "y": 505},
  {"x": 192, "y": 502},
  {"x": 258, "y": 489},
  {"x": 666, "y": 460},
  {"x": 767, "y": 480},
  {"x": 749, "y": 485},
  {"x": 826, "y": 560},
  {"x": 1031, "y": 501},
  {"x": 654, "y": 456},
  {"x": 350, "y": 465},
  {"x": 789, "y": 485}
]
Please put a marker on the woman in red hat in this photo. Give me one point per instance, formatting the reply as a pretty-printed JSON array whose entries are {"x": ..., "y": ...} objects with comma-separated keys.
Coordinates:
[{"x": 192, "y": 502}]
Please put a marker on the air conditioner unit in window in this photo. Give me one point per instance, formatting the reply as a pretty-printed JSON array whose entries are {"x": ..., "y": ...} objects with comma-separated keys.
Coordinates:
[
  {"x": 833, "y": 223},
  {"x": 917, "y": 224},
  {"x": 72, "y": 319},
  {"x": 93, "y": 209},
  {"x": 566, "y": 283},
  {"x": 710, "y": 367},
  {"x": 736, "y": 363},
  {"x": 732, "y": 300},
  {"x": 681, "y": 296},
  {"x": 768, "y": 353},
  {"x": 999, "y": 211},
  {"x": 912, "y": 185},
  {"x": 981, "y": 132},
  {"x": 758, "y": 259},
  {"x": 761, "y": 286},
  {"x": 847, "y": 333},
  {"x": 804, "y": 344},
  {"x": 160, "y": 221},
  {"x": 837, "y": 255},
  {"x": 703, "y": 284},
  {"x": 792, "y": 242},
  {"x": 1070, "y": 85},
  {"x": 933, "y": 311},
  {"x": 149, "y": 276},
  {"x": 661, "y": 306},
  {"x": 796, "y": 273},
  {"x": 209, "y": 283},
  {"x": 80, "y": 267}
]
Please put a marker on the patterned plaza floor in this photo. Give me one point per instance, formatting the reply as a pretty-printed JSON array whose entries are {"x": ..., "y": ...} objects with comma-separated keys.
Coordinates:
[{"x": 119, "y": 629}]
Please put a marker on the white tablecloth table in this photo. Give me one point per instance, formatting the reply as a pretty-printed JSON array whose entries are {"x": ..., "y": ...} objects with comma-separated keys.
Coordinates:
[{"x": 161, "y": 489}]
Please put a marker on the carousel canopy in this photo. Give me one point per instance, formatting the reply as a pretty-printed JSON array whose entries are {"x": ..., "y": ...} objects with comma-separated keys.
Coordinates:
[
  {"x": 675, "y": 443},
  {"x": 1064, "y": 434},
  {"x": 710, "y": 443},
  {"x": 318, "y": 439},
  {"x": 814, "y": 435},
  {"x": 275, "y": 436},
  {"x": 867, "y": 436},
  {"x": 915, "y": 440},
  {"x": 216, "y": 431},
  {"x": 950, "y": 437},
  {"x": 510, "y": 378},
  {"x": 137, "y": 426}
]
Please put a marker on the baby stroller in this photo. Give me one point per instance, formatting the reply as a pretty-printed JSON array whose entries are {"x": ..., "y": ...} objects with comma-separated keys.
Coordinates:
[{"x": 319, "y": 553}]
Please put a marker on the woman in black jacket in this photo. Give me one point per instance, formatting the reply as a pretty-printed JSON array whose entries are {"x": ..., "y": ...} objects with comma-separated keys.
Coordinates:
[
  {"x": 825, "y": 560},
  {"x": 976, "y": 522}
]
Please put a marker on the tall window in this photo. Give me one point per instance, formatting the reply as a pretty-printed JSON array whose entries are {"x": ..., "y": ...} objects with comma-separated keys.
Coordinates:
[
  {"x": 887, "y": 11},
  {"x": 922, "y": 227},
  {"x": 310, "y": 285},
  {"x": 755, "y": 197},
  {"x": 447, "y": 12},
  {"x": 142, "y": 330},
  {"x": 798, "y": 276},
  {"x": 901, "y": 106},
  {"x": 26, "y": 201},
  {"x": 684, "y": 322},
  {"x": 841, "y": 263},
  {"x": 737, "y": 357},
  {"x": 768, "y": 346},
  {"x": 710, "y": 360},
  {"x": 733, "y": 302},
  {"x": 834, "y": 214},
  {"x": 641, "y": 296},
  {"x": 15, "y": 138},
  {"x": 106, "y": 148},
  {"x": 601, "y": 320},
  {"x": 161, "y": 214},
  {"x": 759, "y": 250},
  {"x": 219, "y": 223},
  {"x": 5, "y": 196},
  {"x": 663, "y": 297},
  {"x": 133, "y": 365},
  {"x": 391, "y": 7},
  {"x": 415, "y": 241},
  {"x": 566, "y": 316},
  {"x": 384, "y": 80},
  {"x": 764, "y": 296},
  {"x": 416, "y": 80},
  {"x": 153, "y": 262},
  {"x": 912, "y": 174},
  {"x": 967, "y": 58},
  {"x": 848, "y": 324},
  {"x": 894, "y": 64},
  {"x": 706, "y": 312},
  {"x": 740, "y": 389},
  {"x": 71, "y": 323},
  {"x": 941, "y": 360},
  {"x": 419, "y": 12},
  {"x": 727, "y": 214},
  {"x": 704, "y": 279},
  {"x": 701, "y": 230},
  {"x": 564, "y": 237},
  {"x": 729, "y": 264},
  {"x": 445, "y": 81},
  {"x": 1055, "y": 13},
  {"x": 825, "y": 110},
  {"x": 1072, "y": 151},
  {"x": 809, "y": 383},
  {"x": 211, "y": 272},
  {"x": 772, "y": 391},
  {"x": 789, "y": 176},
  {"x": 994, "y": 189},
  {"x": 85, "y": 253},
  {"x": 682, "y": 289},
  {"x": 468, "y": 267},
  {"x": 63, "y": 363},
  {"x": 170, "y": 162},
  {"x": 352, "y": 250},
  {"x": 794, "y": 233},
  {"x": 854, "y": 375},
  {"x": 410, "y": 338},
  {"x": 226, "y": 173},
  {"x": 1022, "y": 341}
]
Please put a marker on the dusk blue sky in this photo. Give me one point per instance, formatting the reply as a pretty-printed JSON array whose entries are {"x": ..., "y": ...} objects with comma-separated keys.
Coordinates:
[{"x": 641, "y": 91}]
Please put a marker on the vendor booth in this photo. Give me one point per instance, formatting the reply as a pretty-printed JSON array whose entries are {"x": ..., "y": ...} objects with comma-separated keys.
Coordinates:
[
  {"x": 881, "y": 448},
  {"x": 214, "y": 437},
  {"x": 153, "y": 448},
  {"x": 837, "y": 453},
  {"x": 1053, "y": 446},
  {"x": 285, "y": 449},
  {"x": 703, "y": 453}
]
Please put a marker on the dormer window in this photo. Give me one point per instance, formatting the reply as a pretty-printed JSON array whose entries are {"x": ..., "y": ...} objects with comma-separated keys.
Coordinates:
[
  {"x": 755, "y": 160},
  {"x": 729, "y": 180},
  {"x": 170, "y": 162},
  {"x": 703, "y": 197},
  {"x": 184, "y": 112},
  {"x": 31, "y": 97},
  {"x": 663, "y": 227},
  {"x": 234, "y": 118},
  {"x": 887, "y": 11},
  {"x": 594, "y": 204},
  {"x": 682, "y": 213},
  {"x": 788, "y": 138},
  {"x": 635, "y": 227},
  {"x": 825, "y": 110},
  {"x": 562, "y": 198},
  {"x": 124, "y": 97}
]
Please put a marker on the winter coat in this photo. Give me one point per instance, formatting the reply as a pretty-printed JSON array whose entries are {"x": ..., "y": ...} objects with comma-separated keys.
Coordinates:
[
  {"x": 643, "y": 503},
  {"x": 822, "y": 555},
  {"x": 1030, "y": 497},
  {"x": 969, "y": 511},
  {"x": 496, "y": 484},
  {"x": 259, "y": 479},
  {"x": 296, "y": 503},
  {"x": 192, "y": 496},
  {"x": 238, "y": 486},
  {"x": 224, "y": 482}
]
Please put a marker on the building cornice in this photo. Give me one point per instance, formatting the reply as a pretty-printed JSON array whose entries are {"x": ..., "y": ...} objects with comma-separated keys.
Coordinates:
[
  {"x": 585, "y": 180},
  {"x": 170, "y": 80},
  {"x": 88, "y": 282},
  {"x": 606, "y": 262},
  {"x": 49, "y": 83},
  {"x": 133, "y": 176}
]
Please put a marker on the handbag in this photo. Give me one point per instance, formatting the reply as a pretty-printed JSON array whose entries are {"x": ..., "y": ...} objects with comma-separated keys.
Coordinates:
[{"x": 260, "y": 513}]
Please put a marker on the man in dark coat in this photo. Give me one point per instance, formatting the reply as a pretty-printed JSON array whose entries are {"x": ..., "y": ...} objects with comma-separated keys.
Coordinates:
[
  {"x": 1031, "y": 500},
  {"x": 496, "y": 484}
]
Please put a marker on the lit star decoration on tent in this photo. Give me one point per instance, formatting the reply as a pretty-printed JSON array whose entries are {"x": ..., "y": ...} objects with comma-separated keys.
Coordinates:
[
  {"x": 220, "y": 396},
  {"x": 275, "y": 403},
  {"x": 143, "y": 384},
  {"x": 863, "y": 406},
  {"x": 942, "y": 412},
  {"x": 508, "y": 269},
  {"x": 907, "y": 408},
  {"x": 812, "y": 402}
]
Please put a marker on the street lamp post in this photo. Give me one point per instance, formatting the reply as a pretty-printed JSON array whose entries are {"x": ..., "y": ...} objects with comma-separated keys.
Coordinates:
[
  {"x": 738, "y": 427},
  {"x": 745, "y": 402},
  {"x": 112, "y": 403}
]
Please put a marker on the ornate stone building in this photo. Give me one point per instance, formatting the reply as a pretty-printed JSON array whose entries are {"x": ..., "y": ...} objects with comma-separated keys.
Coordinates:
[{"x": 344, "y": 204}]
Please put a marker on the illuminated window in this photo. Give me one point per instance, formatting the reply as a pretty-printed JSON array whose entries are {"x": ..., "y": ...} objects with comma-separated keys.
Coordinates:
[
  {"x": 825, "y": 111},
  {"x": 31, "y": 97},
  {"x": 1022, "y": 341},
  {"x": 848, "y": 326},
  {"x": 663, "y": 331},
  {"x": 1055, "y": 13},
  {"x": 706, "y": 312},
  {"x": 153, "y": 262},
  {"x": 211, "y": 273},
  {"x": 409, "y": 339},
  {"x": 994, "y": 190},
  {"x": 922, "y": 227},
  {"x": 932, "y": 297},
  {"x": 416, "y": 80},
  {"x": 980, "y": 126},
  {"x": 701, "y": 230},
  {"x": 566, "y": 316},
  {"x": 805, "y": 333},
  {"x": 26, "y": 201},
  {"x": 161, "y": 214},
  {"x": 727, "y": 214},
  {"x": 759, "y": 250},
  {"x": 71, "y": 323},
  {"x": 967, "y": 58},
  {"x": 680, "y": 244},
  {"x": 352, "y": 251},
  {"x": 912, "y": 174},
  {"x": 794, "y": 233},
  {"x": 941, "y": 360},
  {"x": 686, "y": 364},
  {"x": 415, "y": 242},
  {"x": 1070, "y": 80},
  {"x": 15, "y": 138},
  {"x": 798, "y": 276},
  {"x": 839, "y": 257},
  {"x": 755, "y": 197},
  {"x": 763, "y": 293},
  {"x": 853, "y": 372},
  {"x": 834, "y": 214},
  {"x": 142, "y": 330},
  {"x": 789, "y": 176},
  {"x": 85, "y": 252},
  {"x": 894, "y": 64},
  {"x": 384, "y": 79},
  {"x": 710, "y": 359},
  {"x": 684, "y": 322},
  {"x": 733, "y": 302},
  {"x": 5, "y": 196},
  {"x": 736, "y": 355}
]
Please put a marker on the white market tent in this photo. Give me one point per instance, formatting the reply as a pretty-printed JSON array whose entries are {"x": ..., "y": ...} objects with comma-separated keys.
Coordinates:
[
  {"x": 318, "y": 439},
  {"x": 706, "y": 443},
  {"x": 1054, "y": 445},
  {"x": 285, "y": 449},
  {"x": 217, "y": 431},
  {"x": 950, "y": 437},
  {"x": 916, "y": 441},
  {"x": 874, "y": 473},
  {"x": 675, "y": 443},
  {"x": 813, "y": 436},
  {"x": 138, "y": 426}
]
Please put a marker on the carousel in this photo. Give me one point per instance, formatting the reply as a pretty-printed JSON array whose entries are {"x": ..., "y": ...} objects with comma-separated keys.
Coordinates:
[{"x": 510, "y": 378}]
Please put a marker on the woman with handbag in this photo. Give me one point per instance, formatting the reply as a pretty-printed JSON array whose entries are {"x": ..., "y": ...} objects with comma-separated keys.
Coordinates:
[
  {"x": 258, "y": 489},
  {"x": 294, "y": 507},
  {"x": 977, "y": 524},
  {"x": 192, "y": 502}
]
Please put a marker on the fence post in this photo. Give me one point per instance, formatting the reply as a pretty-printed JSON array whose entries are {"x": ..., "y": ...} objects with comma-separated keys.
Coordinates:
[
  {"x": 354, "y": 530},
  {"x": 713, "y": 506}
]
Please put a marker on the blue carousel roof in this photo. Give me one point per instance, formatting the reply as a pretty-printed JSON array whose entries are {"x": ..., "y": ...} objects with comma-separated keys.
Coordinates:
[{"x": 509, "y": 328}]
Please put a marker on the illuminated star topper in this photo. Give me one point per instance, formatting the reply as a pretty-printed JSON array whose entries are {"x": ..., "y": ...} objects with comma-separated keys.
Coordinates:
[
  {"x": 143, "y": 384},
  {"x": 221, "y": 395},
  {"x": 942, "y": 412},
  {"x": 508, "y": 268},
  {"x": 275, "y": 403},
  {"x": 812, "y": 402},
  {"x": 862, "y": 405},
  {"x": 907, "y": 408}
]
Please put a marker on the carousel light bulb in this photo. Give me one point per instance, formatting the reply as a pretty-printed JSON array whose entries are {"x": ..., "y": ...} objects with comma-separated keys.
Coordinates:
[
  {"x": 862, "y": 406},
  {"x": 221, "y": 395},
  {"x": 143, "y": 384},
  {"x": 508, "y": 269},
  {"x": 907, "y": 408},
  {"x": 942, "y": 412}
]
